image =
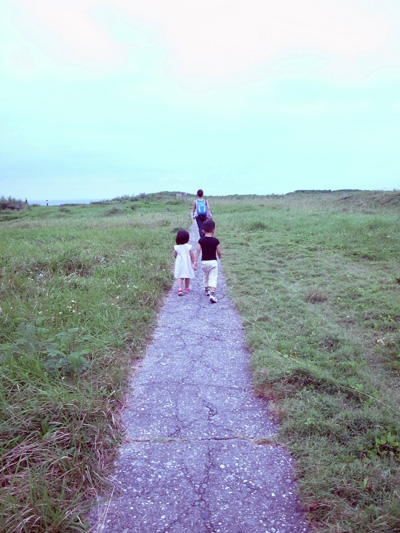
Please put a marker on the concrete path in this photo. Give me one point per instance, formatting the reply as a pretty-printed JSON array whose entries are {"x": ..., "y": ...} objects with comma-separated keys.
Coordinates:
[{"x": 195, "y": 458}]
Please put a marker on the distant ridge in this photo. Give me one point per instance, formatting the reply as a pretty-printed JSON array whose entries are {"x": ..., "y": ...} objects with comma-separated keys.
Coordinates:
[{"x": 323, "y": 191}]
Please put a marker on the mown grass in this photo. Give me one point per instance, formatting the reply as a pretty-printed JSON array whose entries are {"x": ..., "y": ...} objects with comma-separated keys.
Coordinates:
[
  {"x": 316, "y": 278},
  {"x": 79, "y": 289}
]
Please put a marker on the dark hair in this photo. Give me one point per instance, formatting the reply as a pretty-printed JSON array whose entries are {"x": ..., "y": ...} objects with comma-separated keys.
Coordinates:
[
  {"x": 208, "y": 226},
  {"x": 182, "y": 237},
  {"x": 200, "y": 193}
]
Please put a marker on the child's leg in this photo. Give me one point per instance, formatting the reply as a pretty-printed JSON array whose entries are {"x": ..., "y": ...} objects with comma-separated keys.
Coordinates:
[
  {"x": 213, "y": 275},
  {"x": 213, "y": 278},
  {"x": 187, "y": 284},
  {"x": 205, "y": 269},
  {"x": 180, "y": 280}
]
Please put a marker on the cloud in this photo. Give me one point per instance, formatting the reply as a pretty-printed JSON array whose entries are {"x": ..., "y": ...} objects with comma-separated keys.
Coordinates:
[
  {"x": 74, "y": 29},
  {"x": 218, "y": 38},
  {"x": 215, "y": 39}
]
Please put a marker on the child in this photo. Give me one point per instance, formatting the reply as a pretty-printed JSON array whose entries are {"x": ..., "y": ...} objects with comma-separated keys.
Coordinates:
[
  {"x": 210, "y": 249},
  {"x": 183, "y": 260},
  {"x": 200, "y": 207}
]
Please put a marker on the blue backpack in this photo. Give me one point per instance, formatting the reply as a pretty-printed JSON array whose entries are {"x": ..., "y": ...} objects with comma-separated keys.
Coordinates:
[{"x": 201, "y": 207}]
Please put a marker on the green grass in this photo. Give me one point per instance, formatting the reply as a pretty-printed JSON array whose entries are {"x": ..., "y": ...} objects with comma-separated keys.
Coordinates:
[
  {"x": 316, "y": 280},
  {"x": 79, "y": 289}
]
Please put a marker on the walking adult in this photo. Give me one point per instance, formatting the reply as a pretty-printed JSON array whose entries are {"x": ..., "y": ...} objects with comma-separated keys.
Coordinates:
[{"x": 200, "y": 209}]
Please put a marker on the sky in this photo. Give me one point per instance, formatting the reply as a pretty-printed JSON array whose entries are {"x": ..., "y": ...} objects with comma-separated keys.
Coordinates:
[{"x": 104, "y": 98}]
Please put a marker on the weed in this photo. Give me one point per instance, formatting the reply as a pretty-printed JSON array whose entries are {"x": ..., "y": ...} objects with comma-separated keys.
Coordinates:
[
  {"x": 316, "y": 296},
  {"x": 387, "y": 444},
  {"x": 113, "y": 211},
  {"x": 256, "y": 225}
]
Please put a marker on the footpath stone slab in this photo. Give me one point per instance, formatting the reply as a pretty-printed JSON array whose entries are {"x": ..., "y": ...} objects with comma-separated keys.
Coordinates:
[{"x": 194, "y": 458}]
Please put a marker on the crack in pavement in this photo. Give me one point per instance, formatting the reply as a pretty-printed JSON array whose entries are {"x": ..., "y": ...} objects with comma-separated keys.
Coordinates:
[
  {"x": 201, "y": 500},
  {"x": 199, "y": 454},
  {"x": 212, "y": 410},
  {"x": 206, "y": 514},
  {"x": 259, "y": 442}
]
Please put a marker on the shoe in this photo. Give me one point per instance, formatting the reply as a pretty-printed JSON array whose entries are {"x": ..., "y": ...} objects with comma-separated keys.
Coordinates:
[
  {"x": 213, "y": 299},
  {"x": 207, "y": 291},
  {"x": 180, "y": 293},
  {"x": 187, "y": 289}
]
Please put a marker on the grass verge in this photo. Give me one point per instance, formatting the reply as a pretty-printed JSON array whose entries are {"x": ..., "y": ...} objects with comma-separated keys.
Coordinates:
[
  {"x": 79, "y": 289},
  {"x": 316, "y": 280}
]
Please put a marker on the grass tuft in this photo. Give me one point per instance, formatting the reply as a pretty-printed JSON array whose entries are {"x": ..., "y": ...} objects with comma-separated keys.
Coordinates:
[{"x": 316, "y": 296}]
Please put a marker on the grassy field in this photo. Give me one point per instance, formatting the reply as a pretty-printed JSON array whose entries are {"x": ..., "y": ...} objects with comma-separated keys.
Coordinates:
[
  {"x": 316, "y": 278},
  {"x": 79, "y": 289}
]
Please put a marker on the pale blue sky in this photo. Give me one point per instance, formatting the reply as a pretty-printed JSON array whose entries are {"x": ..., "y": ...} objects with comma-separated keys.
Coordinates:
[{"x": 100, "y": 98}]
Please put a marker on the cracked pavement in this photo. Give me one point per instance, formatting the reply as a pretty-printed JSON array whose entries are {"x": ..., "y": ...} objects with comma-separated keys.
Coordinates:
[{"x": 195, "y": 456}]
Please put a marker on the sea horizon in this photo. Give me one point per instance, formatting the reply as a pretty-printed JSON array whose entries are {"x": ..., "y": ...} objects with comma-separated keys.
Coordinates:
[{"x": 63, "y": 202}]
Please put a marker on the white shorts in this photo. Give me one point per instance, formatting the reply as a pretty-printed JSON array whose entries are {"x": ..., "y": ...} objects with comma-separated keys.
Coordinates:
[{"x": 210, "y": 273}]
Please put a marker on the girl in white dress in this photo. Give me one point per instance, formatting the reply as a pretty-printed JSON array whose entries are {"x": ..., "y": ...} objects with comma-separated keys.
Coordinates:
[{"x": 184, "y": 259}]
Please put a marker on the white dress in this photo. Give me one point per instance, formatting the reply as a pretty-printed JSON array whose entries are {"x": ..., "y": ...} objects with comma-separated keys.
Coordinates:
[{"x": 183, "y": 263}]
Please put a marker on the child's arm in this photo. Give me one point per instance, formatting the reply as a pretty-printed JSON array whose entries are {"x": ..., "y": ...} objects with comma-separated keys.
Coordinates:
[
  {"x": 198, "y": 250},
  {"x": 218, "y": 249},
  {"x": 192, "y": 258},
  {"x": 175, "y": 254},
  {"x": 194, "y": 209}
]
